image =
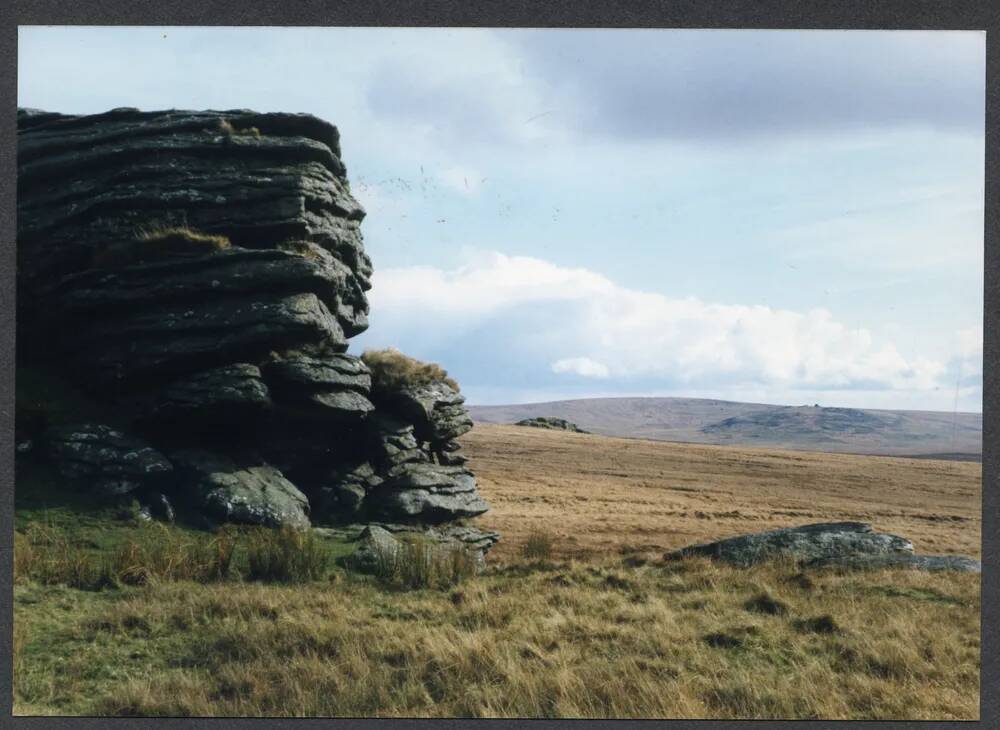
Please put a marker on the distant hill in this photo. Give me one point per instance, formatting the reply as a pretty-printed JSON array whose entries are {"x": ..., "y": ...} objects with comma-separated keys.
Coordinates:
[{"x": 928, "y": 434}]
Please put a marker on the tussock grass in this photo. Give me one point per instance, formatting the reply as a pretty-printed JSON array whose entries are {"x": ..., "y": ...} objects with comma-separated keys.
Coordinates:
[
  {"x": 49, "y": 556},
  {"x": 538, "y": 546},
  {"x": 156, "y": 553},
  {"x": 417, "y": 563},
  {"x": 158, "y": 244},
  {"x": 284, "y": 555},
  {"x": 392, "y": 370},
  {"x": 567, "y": 639}
]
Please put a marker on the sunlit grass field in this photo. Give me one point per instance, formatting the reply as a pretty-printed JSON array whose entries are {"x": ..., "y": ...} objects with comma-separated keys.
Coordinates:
[{"x": 172, "y": 621}]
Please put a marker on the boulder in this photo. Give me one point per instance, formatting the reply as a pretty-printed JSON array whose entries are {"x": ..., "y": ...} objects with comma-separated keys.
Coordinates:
[
  {"x": 805, "y": 544},
  {"x": 109, "y": 461},
  {"x": 826, "y": 544},
  {"x": 252, "y": 495},
  {"x": 375, "y": 545}
]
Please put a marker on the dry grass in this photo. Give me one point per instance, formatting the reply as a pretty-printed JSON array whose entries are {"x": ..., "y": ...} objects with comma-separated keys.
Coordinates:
[
  {"x": 158, "y": 553},
  {"x": 285, "y": 555},
  {"x": 416, "y": 563},
  {"x": 555, "y": 640},
  {"x": 158, "y": 244},
  {"x": 537, "y": 546},
  {"x": 227, "y": 128},
  {"x": 602, "y": 627},
  {"x": 597, "y": 495},
  {"x": 392, "y": 370},
  {"x": 52, "y": 556}
]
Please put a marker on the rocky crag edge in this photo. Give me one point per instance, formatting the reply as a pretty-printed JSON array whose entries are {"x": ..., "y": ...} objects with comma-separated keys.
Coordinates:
[{"x": 226, "y": 357}]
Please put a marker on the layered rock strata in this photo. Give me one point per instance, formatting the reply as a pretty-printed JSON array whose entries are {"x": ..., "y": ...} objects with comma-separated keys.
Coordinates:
[{"x": 203, "y": 272}]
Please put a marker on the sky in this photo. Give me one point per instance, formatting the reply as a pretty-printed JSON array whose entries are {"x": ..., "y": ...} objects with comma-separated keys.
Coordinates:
[{"x": 788, "y": 217}]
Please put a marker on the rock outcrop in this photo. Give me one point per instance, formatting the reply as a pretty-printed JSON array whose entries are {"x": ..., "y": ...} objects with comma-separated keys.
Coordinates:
[
  {"x": 826, "y": 544},
  {"x": 556, "y": 424},
  {"x": 203, "y": 273}
]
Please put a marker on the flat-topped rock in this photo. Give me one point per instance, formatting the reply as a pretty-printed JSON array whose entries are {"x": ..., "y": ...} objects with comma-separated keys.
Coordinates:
[{"x": 556, "y": 424}]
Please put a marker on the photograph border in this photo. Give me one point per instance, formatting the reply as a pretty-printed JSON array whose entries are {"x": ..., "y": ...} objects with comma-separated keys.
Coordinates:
[{"x": 805, "y": 14}]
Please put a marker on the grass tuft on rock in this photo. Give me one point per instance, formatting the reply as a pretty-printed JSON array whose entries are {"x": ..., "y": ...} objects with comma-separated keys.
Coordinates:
[
  {"x": 160, "y": 244},
  {"x": 230, "y": 130},
  {"x": 392, "y": 370}
]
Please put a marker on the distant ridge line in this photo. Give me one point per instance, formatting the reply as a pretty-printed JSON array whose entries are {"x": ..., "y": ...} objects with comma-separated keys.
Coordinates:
[{"x": 903, "y": 433}]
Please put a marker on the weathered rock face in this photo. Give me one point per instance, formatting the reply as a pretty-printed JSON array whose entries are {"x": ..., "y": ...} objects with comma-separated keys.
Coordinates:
[
  {"x": 550, "y": 422},
  {"x": 204, "y": 271},
  {"x": 844, "y": 544},
  {"x": 104, "y": 459}
]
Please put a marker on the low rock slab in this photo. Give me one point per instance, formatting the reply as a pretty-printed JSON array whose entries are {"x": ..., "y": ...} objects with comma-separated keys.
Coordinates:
[
  {"x": 825, "y": 544},
  {"x": 253, "y": 495},
  {"x": 805, "y": 544}
]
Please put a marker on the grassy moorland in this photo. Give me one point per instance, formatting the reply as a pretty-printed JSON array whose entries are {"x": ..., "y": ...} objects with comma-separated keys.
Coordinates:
[
  {"x": 597, "y": 494},
  {"x": 578, "y": 617}
]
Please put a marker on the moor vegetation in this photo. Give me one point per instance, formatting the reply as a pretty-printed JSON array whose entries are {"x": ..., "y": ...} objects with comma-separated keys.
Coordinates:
[
  {"x": 611, "y": 638},
  {"x": 573, "y": 617}
]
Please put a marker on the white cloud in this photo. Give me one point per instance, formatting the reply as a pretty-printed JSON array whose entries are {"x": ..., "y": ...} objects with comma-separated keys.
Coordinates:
[
  {"x": 581, "y": 366},
  {"x": 581, "y": 322}
]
